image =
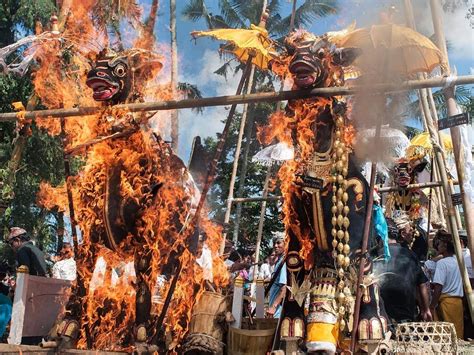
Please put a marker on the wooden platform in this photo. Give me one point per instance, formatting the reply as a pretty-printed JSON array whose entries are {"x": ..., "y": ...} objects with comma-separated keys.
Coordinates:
[{"x": 33, "y": 350}]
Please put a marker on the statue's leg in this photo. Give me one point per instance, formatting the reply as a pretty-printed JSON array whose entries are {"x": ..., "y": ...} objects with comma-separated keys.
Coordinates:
[
  {"x": 292, "y": 325},
  {"x": 143, "y": 295},
  {"x": 373, "y": 320}
]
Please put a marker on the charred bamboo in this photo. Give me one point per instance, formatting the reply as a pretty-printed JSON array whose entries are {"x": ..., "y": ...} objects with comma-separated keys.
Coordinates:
[{"x": 250, "y": 98}]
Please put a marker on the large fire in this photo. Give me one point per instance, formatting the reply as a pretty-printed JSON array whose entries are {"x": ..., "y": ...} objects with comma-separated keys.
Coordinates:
[{"x": 155, "y": 194}]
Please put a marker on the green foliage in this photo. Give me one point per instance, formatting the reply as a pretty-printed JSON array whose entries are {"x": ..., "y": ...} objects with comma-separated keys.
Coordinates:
[
  {"x": 463, "y": 96},
  {"x": 41, "y": 158},
  {"x": 30, "y": 11},
  {"x": 191, "y": 91}
]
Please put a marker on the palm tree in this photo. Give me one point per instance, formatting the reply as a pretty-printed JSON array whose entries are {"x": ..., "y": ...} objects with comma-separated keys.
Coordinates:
[{"x": 241, "y": 13}]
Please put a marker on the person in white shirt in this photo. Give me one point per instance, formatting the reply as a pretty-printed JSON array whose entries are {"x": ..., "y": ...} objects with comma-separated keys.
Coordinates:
[
  {"x": 466, "y": 253},
  {"x": 447, "y": 285},
  {"x": 266, "y": 269},
  {"x": 65, "y": 266}
]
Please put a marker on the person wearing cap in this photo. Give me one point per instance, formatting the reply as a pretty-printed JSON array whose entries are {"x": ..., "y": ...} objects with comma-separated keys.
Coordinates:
[
  {"x": 27, "y": 254},
  {"x": 278, "y": 288},
  {"x": 447, "y": 285}
]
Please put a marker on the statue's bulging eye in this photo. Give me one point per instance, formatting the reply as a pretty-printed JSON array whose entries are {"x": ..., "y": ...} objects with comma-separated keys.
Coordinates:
[
  {"x": 120, "y": 70},
  {"x": 321, "y": 53}
]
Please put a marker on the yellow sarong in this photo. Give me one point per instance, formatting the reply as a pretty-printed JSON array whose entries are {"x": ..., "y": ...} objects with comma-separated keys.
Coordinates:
[{"x": 450, "y": 309}]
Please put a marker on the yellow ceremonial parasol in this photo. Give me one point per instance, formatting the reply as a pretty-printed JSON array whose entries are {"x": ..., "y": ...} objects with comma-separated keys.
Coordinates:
[
  {"x": 423, "y": 140},
  {"x": 405, "y": 50},
  {"x": 244, "y": 42}
]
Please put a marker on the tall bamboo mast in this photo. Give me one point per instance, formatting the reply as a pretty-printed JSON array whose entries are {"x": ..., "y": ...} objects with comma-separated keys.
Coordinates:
[{"x": 174, "y": 76}]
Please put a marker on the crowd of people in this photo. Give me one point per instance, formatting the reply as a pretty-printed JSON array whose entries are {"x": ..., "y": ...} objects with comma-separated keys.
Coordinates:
[
  {"x": 414, "y": 285},
  {"x": 37, "y": 263},
  {"x": 423, "y": 286},
  {"x": 272, "y": 271}
]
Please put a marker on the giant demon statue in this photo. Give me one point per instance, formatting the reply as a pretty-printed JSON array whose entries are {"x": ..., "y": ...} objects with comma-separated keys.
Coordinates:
[
  {"x": 325, "y": 199},
  {"x": 134, "y": 198}
]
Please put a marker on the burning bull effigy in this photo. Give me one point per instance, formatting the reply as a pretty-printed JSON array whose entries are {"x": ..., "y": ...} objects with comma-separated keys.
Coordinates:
[
  {"x": 134, "y": 201},
  {"x": 133, "y": 198},
  {"x": 325, "y": 201}
]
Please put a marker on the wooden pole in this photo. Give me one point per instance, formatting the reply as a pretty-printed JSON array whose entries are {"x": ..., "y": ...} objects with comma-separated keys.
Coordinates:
[
  {"x": 430, "y": 194},
  {"x": 365, "y": 242},
  {"x": 235, "y": 165},
  {"x": 458, "y": 148},
  {"x": 174, "y": 76},
  {"x": 251, "y": 98},
  {"x": 67, "y": 174},
  {"x": 261, "y": 219}
]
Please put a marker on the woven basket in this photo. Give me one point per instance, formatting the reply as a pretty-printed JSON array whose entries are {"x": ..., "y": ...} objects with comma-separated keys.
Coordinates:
[
  {"x": 205, "y": 332},
  {"x": 426, "y": 338}
]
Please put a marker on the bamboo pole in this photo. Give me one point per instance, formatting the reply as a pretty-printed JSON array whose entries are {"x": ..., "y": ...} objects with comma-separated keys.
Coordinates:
[
  {"x": 261, "y": 219},
  {"x": 251, "y": 98},
  {"x": 174, "y": 75},
  {"x": 455, "y": 136},
  {"x": 434, "y": 113},
  {"x": 235, "y": 165},
  {"x": 158, "y": 325},
  {"x": 430, "y": 107},
  {"x": 365, "y": 242},
  {"x": 67, "y": 175},
  {"x": 243, "y": 170},
  {"x": 381, "y": 190}
]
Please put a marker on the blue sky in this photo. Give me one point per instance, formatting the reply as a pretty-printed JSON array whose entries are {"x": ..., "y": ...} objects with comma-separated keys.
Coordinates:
[{"x": 199, "y": 59}]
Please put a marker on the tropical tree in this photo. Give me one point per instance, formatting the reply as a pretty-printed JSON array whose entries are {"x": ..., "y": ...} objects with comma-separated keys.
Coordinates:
[{"x": 27, "y": 155}]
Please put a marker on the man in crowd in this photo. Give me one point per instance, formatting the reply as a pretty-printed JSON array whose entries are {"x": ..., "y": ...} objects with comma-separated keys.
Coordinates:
[
  {"x": 265, "y": 272},
  {"x": 278, "y": 288},
  {"x": 27, "y": 254},
  {"x": 401, "y": 279},
  {"x": 447, "y": 285},
  {"x": 466, "y": 253}
]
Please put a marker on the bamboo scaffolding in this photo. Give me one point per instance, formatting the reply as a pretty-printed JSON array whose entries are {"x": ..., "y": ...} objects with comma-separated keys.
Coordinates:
[
  {"x": 458, "y": 148},
  {"x": 250, "y": 98},
  {"x": 235, "y": 165},
  {"x": 438, "y": 150}
]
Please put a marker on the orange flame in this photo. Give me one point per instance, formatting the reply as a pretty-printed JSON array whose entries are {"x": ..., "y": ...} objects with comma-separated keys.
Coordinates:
[{"x": 163, "y": 228}]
